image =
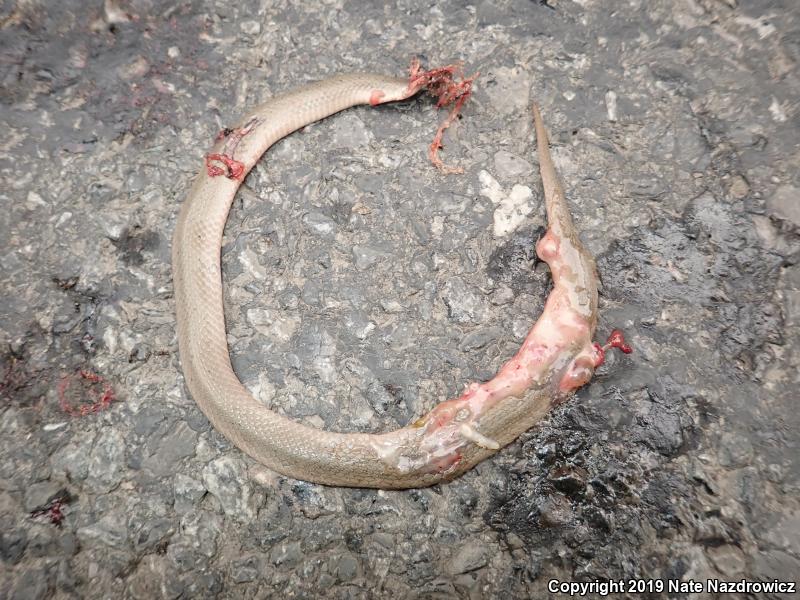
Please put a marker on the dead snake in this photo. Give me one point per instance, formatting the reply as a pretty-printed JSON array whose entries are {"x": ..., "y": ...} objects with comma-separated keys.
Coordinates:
[{"x": 556, "y": 358}]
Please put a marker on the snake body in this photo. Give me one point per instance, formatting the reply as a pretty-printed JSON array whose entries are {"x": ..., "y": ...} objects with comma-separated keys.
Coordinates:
[{"x": 556, "y": 357}]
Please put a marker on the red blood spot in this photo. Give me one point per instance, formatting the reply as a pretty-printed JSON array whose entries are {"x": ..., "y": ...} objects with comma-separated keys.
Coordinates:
[
  {"x": 617, "y": 340},
  {"x": 95, "y": 393},
  {"x": 376, "y": 96},
  {"x": 442, "y": 84},
  {"x": 600, "y": 355},
  {"x": 235, "y": 169},
  {"x": 441, "y": 415},
  {"x": 447, "y": 463},
  {"x": 438, "y": 420},
  {"x": 52, "y": 511},
  {"x": 213, "y": 170}
]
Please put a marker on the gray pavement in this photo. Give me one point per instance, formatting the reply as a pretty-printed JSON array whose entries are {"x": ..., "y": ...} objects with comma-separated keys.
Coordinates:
[{"x": 362, "y": 287}]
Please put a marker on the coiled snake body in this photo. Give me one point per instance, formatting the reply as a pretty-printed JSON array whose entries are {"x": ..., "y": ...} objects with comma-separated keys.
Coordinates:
[{"x": 557, "y": 356}]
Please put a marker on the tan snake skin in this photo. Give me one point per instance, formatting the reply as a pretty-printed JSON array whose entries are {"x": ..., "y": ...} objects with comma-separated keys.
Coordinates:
[{"x": 556, "y": 358}]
